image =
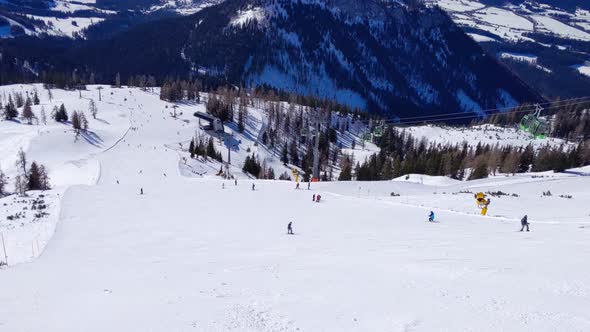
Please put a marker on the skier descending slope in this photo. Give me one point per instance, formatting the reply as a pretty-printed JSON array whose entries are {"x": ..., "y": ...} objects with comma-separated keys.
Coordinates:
[
  {"x": 525, "y": 223},
  {"x": 431, "y": 216},
  {"x": 290, "y": 228}
]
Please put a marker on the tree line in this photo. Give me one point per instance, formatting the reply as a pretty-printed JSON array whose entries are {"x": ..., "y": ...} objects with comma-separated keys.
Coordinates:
[{"x": 402, "y": 154}]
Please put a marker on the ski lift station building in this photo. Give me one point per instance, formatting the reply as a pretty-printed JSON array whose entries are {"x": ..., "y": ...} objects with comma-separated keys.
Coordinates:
[{"x": 211, "y": 123}]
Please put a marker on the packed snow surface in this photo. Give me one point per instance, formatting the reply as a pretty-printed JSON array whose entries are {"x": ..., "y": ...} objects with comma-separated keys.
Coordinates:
[{"x": 193, "y": 254}]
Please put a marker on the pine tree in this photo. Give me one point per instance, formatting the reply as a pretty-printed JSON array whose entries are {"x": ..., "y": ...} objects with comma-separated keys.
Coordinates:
[
  {"x": 285, "y": 154},
  {"x": 346, "y": 172},
  {"x": 264, "y": 138},
  {"x": 43, "y": 116},
  {"x": 28, "y": 111},
  {"x": 480, "y": 168},
  {"x": 3, "y": 182},
  {"x": 61, "y": 115},
  {"x": 92, "y": 108},
  {"x": 44, "y": 178},
  {"x": 19, "y": 100},
  {"x": 241, "y": 119},
  {"x": 76, "y": 123},
  {"x": 36, "y": 100},
  {"x": 10, "y": 111},
  {"x": 294, "y": 153},
  {"x": 511, "y": 162},
  {"x": 21, "y": 162},
  {"x": 83, "y": 121},
  {"x": 34, "y": 179}
]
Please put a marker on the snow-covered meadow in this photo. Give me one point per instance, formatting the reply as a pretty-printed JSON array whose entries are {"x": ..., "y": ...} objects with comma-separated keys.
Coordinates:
[
  {"x": 512, "y": 22},
  {"x": 200, "y": 253}
]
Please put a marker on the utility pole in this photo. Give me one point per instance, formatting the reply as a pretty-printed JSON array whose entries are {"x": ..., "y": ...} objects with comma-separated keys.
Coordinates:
[
  {"x": 99, "y": 95},
  {"x": 316, "y": 149}
]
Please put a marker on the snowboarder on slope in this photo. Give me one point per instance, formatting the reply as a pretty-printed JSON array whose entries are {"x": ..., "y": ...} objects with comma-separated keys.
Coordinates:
[
  {"x": 431, "y": 216},
  {"x": 253, "y": 187},
  {"x": 290, "y": 228},
  {"x": 313, "y": 199},
  {"x": 141, "y": 191},
  {"x": 525, "y": 223},
  {"x": 308, "y": 185},
  {"x": 317, "y": 198}
]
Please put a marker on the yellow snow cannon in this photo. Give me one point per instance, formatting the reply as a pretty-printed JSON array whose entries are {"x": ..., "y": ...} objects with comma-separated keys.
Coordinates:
[
  {"x": 295, "y": 173},
  {"x": 482, "y": 202}
]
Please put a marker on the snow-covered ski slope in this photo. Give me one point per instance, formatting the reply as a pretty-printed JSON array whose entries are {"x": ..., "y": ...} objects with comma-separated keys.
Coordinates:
[{"x": 189, "y": 255}]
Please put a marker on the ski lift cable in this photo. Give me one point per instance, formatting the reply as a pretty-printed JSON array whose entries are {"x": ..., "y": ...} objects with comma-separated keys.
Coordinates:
[
  {"x": 445, "y": 117},
  {"x": 566, "y": 102},
  {"x": 471, "y": 116}
]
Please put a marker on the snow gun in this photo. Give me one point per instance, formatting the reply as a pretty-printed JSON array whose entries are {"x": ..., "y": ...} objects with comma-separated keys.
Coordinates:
[
  {"x": 295, "y": 174},
  {"x": 482, "y": 202}
]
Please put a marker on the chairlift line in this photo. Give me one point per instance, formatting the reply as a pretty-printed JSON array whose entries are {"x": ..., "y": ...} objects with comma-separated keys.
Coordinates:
[{"x": 443, "y": 117}]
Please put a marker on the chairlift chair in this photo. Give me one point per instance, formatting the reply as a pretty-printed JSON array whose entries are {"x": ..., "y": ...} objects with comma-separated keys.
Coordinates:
[{"x": 534, "y": 124}]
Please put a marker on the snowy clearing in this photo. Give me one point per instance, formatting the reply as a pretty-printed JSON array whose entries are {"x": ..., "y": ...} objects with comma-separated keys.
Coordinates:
[
  {"x": 253, "y": 14},
  {"x": 583, "y": 69},
  {"x": 66, "y": 26},
  {"x": 529, "y": 58},
  {"x": 556, "y": 27},
  {"x": 484, "y": 134}
]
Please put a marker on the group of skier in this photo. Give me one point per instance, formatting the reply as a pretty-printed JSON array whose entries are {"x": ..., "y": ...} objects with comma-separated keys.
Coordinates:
[
  {"x": 308, "y": 185},
  {"x": 316, "y": 198},
  {"x": 524, "y": 222}
]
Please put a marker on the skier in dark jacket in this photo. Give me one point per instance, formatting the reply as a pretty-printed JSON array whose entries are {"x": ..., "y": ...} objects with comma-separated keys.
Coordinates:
[
  {"x": 525, "y": 223},
  {"x": 431, "y": 216},
  {"x": 290, "y": 228}
]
